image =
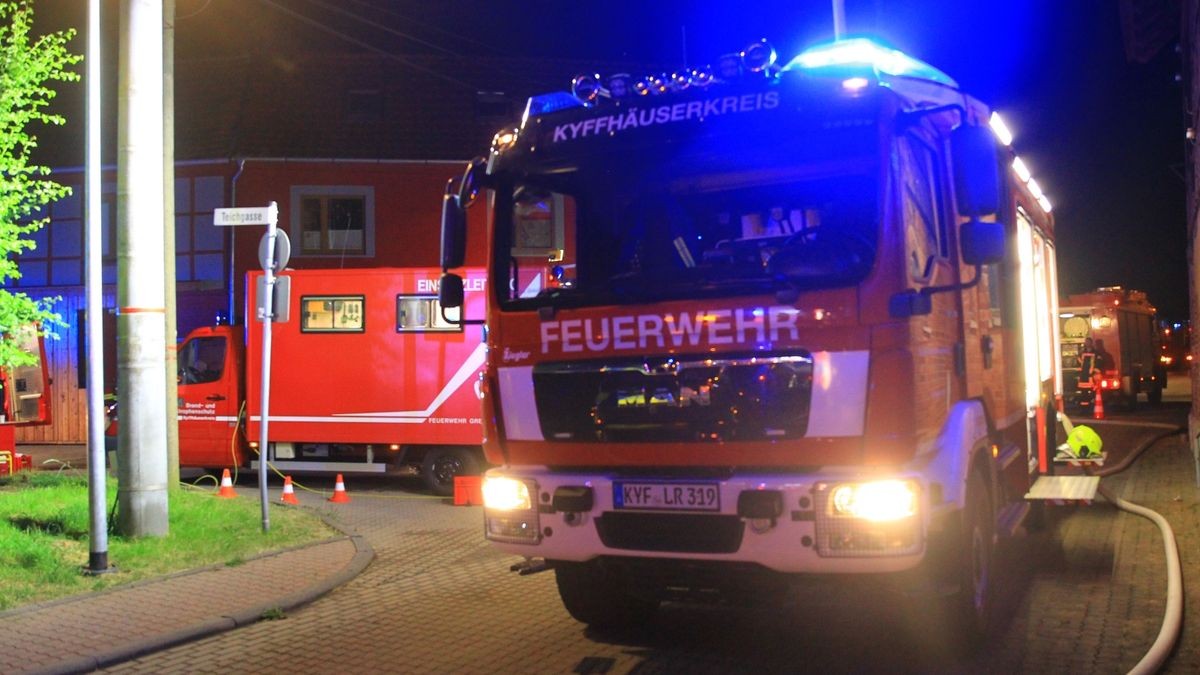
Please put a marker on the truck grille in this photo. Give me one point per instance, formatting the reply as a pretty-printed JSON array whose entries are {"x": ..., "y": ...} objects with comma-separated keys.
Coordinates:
[
  {"x": 745, "y": 397},
  {"x": 670, "y": 532}
]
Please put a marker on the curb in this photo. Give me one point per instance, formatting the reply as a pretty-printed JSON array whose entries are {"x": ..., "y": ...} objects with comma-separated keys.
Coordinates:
[{"x": 363, "y": 555}]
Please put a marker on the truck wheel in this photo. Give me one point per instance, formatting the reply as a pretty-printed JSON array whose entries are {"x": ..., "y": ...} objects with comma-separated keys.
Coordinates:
[
  {"x": 972, "y": 607},
  {"x": 595, "y": 595},
  {"x": 441, "y": 465},
  {"x": 1154, "y": 396}
]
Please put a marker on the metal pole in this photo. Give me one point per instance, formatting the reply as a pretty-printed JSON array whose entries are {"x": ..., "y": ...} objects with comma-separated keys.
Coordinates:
[
  {"x": 172, "y": 353},
  {"x": 97, "y": 479},
  {"x": 267, "y": 302},
  {"x": 839, "y": 19},
  {"x": 142, "y": 468}
]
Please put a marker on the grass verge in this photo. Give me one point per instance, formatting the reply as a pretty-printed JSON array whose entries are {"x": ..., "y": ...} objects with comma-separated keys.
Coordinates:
[{"x": 44, "y": 540}]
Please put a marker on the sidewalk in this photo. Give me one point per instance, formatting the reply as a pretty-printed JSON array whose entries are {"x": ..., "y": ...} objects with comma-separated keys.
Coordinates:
[{"x": 82, "y": 633}]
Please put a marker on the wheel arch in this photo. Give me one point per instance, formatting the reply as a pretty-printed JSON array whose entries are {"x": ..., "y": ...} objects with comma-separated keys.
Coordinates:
[{"x": 963, "y": 445}]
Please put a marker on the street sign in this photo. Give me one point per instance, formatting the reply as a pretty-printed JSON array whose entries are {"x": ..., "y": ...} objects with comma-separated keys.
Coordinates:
[
  {"x": 247, "y": 215},
  {"x": 283, "y": 251},
  {"x": 281, "y": 300}
]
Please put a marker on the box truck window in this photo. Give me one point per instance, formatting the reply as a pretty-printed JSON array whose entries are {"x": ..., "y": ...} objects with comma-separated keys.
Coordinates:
[{"x": 332, "y": 314}]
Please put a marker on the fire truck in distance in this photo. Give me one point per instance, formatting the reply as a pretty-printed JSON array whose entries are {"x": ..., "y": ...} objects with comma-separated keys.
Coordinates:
[
  {"x": 759, "y": 326},
  {"x": 367, "y": 376},
  {"x": 24, "y": 394},
  {"x": 1126, "y": 358},
  {"x": 25, "y": 387}
]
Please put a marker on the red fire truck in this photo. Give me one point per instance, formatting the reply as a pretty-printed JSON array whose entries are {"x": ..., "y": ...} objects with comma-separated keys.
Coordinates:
[
  {"x": 1126, "y": 358},
  {"x": 24, "y": 397},
  {"x": 367, "y": 376},
  {"x": 756, "y": 326}
]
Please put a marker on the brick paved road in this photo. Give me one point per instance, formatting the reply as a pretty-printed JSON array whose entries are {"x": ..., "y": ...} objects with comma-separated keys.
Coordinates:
[{"x": 1087, "y": 596}]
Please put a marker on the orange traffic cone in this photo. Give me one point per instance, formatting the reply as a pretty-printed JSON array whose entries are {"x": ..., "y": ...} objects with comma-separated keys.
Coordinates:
[
  {"x": 1098, "y": 407},
  {"x": 339, "y": 492},
  {"x": 226, "y": 490},
  {"x": 289, "y": 495}
]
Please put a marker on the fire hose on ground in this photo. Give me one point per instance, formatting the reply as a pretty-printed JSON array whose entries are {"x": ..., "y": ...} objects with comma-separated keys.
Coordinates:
[{"x": 1173, "y": 615}]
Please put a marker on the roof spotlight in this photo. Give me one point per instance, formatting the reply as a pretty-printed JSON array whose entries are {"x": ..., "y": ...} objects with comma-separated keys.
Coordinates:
[
  {"x": 620, "y": 85},
  {"x": 642, "y": 87},
  {"x": 658, "y": 84},
  {"x": 504, "y": 138},
  {"x": 759, "y": 56},
  {"x": 702, "y": 76},
  {"x": 681, "y": 80},
  {"x": 586, "y": 88},
  {"x": 729, "y": 66}
]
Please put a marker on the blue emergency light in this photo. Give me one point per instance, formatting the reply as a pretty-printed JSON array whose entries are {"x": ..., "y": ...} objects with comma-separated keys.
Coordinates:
[{"x": 859, "y": 53}]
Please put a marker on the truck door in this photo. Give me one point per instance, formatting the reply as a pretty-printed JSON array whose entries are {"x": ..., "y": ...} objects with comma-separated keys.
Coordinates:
[{"x": 208, "y": 400}]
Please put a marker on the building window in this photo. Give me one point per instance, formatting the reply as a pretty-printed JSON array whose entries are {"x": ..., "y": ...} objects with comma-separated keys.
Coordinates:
[
  {"x": 333, "y": 220},
  {"x": 57, "y": 258},
  {"x": 199, "y": 245},
  {"x": 332, "y": 314},
  {"x": 423, "y": 314}
]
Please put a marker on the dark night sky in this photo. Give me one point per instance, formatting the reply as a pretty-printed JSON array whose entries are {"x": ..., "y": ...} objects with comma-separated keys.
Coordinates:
[{"x": 1103, "y": 136}]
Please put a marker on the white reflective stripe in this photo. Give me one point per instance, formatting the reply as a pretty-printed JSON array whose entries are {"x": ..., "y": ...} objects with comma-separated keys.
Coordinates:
[
  {"x": 533, "y": 288},
  {"x": 207, "y": 418},
  {"x": 343, "y": 420},
  {"x": 518, "y": 404},
  {"x": 839, "y": 394}
]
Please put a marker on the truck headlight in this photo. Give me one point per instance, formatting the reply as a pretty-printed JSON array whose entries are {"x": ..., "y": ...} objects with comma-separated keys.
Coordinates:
[
  {"x": 878, "y": 501},
  {"x": 506, "y": 494},
  {"x": 869, "y": 519},
  {"x": 509, "y": 513}
]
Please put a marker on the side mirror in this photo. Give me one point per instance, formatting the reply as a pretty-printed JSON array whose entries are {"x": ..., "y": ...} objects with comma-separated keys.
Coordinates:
[
  {"x": 450, "y": 291},
  {"x": 471, "y": 182},
  {"x": 981, "y": 242},
  {"x": 976, "y": 170},
  {"x": 454, "y": 230}
]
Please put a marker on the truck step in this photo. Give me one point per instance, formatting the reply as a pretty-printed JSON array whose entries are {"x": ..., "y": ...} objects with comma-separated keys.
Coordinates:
[
  {"x": 1064, "y": 488},
  {"x": 1010, "y": 517}
]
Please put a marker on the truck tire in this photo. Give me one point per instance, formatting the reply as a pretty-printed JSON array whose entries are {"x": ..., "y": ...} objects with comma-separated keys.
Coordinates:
[
  {"x": 1154, "y": 396},
  {"x": 596, "y": 595},
  {"x": 971, "y": 609},
  {"x": 441, "y": 465}
]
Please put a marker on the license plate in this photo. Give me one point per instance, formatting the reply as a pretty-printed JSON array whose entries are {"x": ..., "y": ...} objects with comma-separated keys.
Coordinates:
[{"x": 667, "y": 496}]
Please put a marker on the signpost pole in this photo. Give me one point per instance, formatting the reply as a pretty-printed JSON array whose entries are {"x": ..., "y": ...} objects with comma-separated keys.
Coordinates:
[
  {"x": 273, "y": 253},
  {"x": 267, "y": 304}
]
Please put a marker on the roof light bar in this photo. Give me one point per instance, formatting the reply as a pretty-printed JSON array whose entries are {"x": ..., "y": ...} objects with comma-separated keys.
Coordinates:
[
  {"x": 1022, "y": 171},
  {"x": 1035, "y": 189},
  {"x": 862, "y": 52},
  {"x": 1000, "y": 129},
  {"x": 548, "y": 103},
  {"x": 855, "y": 84}
]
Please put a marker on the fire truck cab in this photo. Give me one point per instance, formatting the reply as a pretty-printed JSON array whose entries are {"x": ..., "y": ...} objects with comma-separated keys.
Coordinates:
[{"x": 756, "y": 325}]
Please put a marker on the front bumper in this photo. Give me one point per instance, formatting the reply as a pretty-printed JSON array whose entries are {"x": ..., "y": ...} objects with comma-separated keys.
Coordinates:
[{"x": 576, "y": 517}]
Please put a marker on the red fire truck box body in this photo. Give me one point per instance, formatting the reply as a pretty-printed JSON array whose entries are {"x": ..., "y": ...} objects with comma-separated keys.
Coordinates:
[
  {"x": 366, "y": 376},
  {"x": 1123, "y": 321}
]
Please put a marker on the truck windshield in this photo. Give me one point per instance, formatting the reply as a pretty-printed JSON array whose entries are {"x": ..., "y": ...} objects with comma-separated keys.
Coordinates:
[{"x": 620, "y": 235}]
